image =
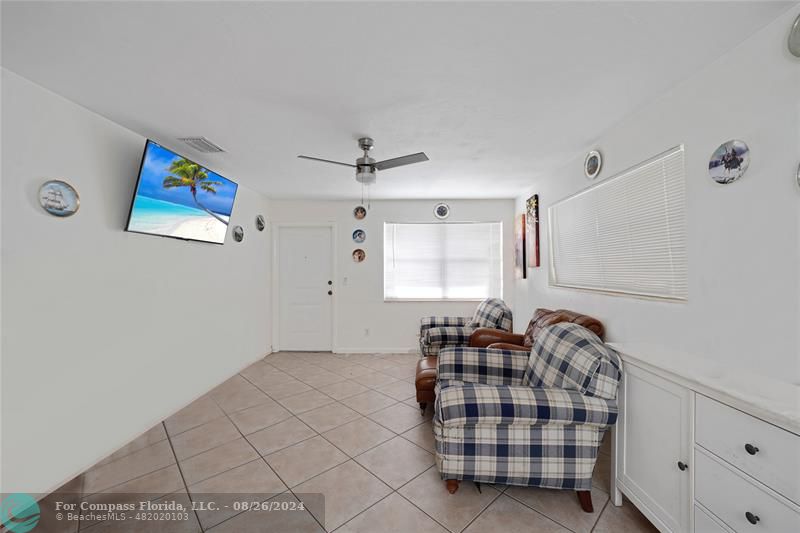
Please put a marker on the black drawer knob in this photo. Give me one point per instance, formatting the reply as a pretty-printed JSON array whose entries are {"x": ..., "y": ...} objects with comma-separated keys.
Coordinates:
[
  {"x": 683, "y": 466},
  {"x": 752, "y": 518},
  {"x": 749, "y": 448},
  {"x": 330, "y": 292}
]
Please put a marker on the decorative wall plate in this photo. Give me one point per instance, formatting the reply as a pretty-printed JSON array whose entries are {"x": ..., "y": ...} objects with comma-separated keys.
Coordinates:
[
  {"x": 441, "y": 211},
  {"x": 359, "y": 255},
  {"x": 260, "y": 222},
  {"x": 238, "y": 233},
  {"x": 59, "y": 198},
  {"x": 592, "y": 164},
  {"x": 359, "y": 236},
  {"x": 359, "y": 212},
  {"x": 729, "y": 162},
  {"x": 794, "y": 38}
]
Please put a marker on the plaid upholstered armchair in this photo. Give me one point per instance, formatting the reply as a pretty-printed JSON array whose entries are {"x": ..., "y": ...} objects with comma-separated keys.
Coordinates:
[
  {"x": 537, "y": 419},
  {"x": 436, "y": 332}
]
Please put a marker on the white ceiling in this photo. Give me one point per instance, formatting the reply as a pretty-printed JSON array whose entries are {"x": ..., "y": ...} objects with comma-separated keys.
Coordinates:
[{"x": 494, "y": 93}]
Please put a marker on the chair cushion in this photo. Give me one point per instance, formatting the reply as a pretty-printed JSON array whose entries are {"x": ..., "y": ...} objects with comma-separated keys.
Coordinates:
[
  {"x": 492, "y": 313},
  {"x": 545, "y": 317},
  {"x": 569, "y": 356}
]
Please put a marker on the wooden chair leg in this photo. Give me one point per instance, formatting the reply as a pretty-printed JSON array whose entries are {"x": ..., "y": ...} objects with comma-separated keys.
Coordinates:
[
  {"x": 423, "y": 405},
  {"x": 452, "y": 485},
  {"x": 585, "y": 497}
]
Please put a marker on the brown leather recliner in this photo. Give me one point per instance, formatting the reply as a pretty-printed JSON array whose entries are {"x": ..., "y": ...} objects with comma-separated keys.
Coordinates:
[{"x": 495, "y": 338}]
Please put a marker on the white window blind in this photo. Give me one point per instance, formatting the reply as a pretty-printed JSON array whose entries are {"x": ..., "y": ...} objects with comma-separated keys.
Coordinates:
[
  {"x": 444, "y": 261},
  {"x": 625, "y": 235}
]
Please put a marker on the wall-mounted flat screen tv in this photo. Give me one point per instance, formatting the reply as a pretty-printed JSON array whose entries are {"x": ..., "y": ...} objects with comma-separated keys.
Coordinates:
[{"x": 176, "y": 197}]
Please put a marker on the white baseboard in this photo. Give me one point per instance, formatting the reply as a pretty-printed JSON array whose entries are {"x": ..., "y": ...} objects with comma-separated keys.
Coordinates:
[{"x": 403, "y": 350}]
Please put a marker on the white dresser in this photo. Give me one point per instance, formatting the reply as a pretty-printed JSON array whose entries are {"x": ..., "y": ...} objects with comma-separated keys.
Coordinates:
[{"x": 702, "y": 448}]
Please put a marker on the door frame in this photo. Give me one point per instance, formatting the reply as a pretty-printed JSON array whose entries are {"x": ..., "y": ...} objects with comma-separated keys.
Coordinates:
[{"x": 276, "y": 292}]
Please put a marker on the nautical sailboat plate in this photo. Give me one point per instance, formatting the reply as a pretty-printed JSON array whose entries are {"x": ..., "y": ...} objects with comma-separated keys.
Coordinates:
[{"x": 59, "y": 198}]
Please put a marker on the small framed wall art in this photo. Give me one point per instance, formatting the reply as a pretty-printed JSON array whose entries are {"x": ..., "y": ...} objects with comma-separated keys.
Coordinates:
[
  {"x": 592, "y": 164},
  {"x": 59, "y": 198},
  {"x": 360, "y": 212},
  {"x": 359, "y": 236},
  {"x": 520, "y": 270},
  {"x": 729, "y": 162},
  {"x": 359, "y": 255},
  {"x": 238, "y": 233},
  {"x": 260, "y": 222},
  {"x": 441, "y": 211},
  {"x": 532, "y": 212}
]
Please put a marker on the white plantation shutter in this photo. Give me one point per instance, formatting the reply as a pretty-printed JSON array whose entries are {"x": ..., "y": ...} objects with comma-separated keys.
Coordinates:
[
  {"x": 443, "y": 261},
  {"x": 626, "y": 234}
]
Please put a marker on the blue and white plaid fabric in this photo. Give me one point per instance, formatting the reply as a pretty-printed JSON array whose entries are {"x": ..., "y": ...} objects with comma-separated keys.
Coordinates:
[
  {"x": 492, "y": 313},
  {"x": 438, "y": 332},
  {"x": 491, "y": 427},
  {"x": 569, "y": 356},
  {"x": 482, "y": 365},
  {"x": 476, "y": 403},
  {"x": 553, "y": 456}
]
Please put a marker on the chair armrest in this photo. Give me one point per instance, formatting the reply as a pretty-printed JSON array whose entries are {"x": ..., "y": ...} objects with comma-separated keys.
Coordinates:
[
  {"x": 507, "y": 346},
  {"x": 429, "y": 322},
  {"x": 483, "y": 337},
  {"x": 447, "y": 336},
  {"x": 469, "y": 404},
  {"x": 482, "y": 365}
]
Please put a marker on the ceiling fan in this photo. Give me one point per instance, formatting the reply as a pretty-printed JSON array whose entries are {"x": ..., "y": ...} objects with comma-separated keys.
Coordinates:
[{"x": 366, "y": 166}]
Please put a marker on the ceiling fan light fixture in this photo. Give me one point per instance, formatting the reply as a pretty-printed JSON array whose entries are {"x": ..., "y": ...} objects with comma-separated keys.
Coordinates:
[{"x": 366, "y": 176}]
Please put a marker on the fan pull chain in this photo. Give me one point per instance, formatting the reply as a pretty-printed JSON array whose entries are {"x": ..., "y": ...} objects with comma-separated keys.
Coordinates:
[
  {"x": 362, "y": 193},
  {"x": 368, "y": 199}
]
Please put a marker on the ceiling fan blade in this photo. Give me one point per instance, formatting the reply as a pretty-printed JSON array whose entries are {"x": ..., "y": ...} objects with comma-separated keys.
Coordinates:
[
  {"x": 419, "y": 157},
  {"x": 326, "y": 161}
]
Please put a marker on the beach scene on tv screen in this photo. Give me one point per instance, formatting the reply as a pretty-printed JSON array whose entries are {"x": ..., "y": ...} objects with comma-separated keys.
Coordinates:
[{"x": 177, "y": 197}]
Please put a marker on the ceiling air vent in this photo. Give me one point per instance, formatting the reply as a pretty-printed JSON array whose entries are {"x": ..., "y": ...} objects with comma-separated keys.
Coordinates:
[{"x": 201, "y": 144}]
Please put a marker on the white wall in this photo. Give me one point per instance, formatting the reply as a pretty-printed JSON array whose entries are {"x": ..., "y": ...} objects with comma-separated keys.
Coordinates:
[
  {"x": 744, "y": 238},
  {"x": 358, "y": 289},
  {"x": 105, "y": 333}
]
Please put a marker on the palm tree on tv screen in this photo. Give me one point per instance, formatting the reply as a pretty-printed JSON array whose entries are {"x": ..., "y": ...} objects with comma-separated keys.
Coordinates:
[{"x": 188, "y": 174}]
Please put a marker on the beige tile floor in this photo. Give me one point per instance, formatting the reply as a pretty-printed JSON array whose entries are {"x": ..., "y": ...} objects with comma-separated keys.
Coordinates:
[{"x": 343, "y": 425}]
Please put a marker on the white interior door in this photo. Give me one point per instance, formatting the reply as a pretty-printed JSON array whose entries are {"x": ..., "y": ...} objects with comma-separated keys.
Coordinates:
[{"x": 304, "y": 288}]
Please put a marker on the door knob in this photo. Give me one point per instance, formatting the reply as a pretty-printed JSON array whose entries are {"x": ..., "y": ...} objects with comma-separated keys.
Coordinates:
[
  {"x": 330, "y": 282},
  {"x": 749, "y": 448},
  {"x": 683, "y": 466},
  {"x": 330, "y": 292},
  {"x": 752, "y": 518}
]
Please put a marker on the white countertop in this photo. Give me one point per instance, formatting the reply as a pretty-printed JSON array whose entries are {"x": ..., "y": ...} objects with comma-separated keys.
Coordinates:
[{"x": 777, "y": 402}]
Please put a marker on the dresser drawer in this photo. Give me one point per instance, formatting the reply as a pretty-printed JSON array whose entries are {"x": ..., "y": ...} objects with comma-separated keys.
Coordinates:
[
  {"x": 762, "y": 450},
  {"x": 703, "y": 523},
  {"x": 730, "y": 496}
]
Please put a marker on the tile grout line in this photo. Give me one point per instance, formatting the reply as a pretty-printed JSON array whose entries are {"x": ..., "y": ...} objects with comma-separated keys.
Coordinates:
[
  {"x": 353, "y": 458},
  {"x": 180, "y": 471},
  {"x": 601, "y": 513},
  {"x": 264, "y": 460}
]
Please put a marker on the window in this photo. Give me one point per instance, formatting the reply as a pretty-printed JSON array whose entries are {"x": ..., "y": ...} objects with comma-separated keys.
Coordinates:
[
  {"x": 442, "y": 261},
  {"x": 625, "y": 235}
]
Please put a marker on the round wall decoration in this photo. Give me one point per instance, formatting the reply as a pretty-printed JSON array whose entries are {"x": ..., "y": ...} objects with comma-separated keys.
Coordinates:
[
  {"x": 592, "y": 164},
  {"x": 359, "y": 236},
  {"x": 238, "y": 233},
  {"x": 441, "y": 210},
  {"x": 260, "y": 222},
  {"x": 729, "y": 162},
  {"x": 359, "y": 255},
  {"x": 59, "y": 198},
  {"x": 359, "y": 212},
  {"x": 794, "y": 38}
]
